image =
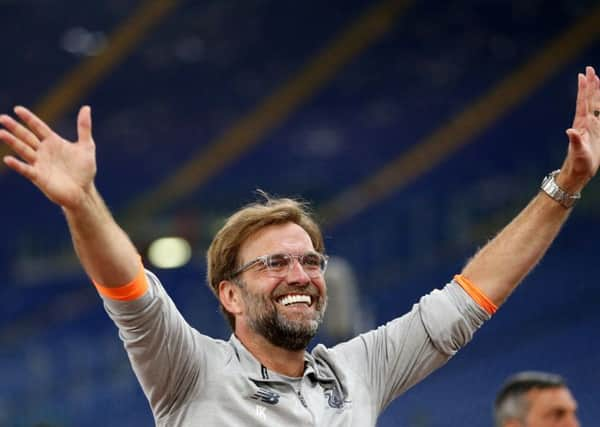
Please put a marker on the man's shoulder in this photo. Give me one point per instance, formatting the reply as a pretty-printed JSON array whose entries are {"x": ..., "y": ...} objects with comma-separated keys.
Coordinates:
[{"x": 330, "y": 357}]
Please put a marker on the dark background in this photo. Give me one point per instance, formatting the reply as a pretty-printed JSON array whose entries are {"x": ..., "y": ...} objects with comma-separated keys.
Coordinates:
[{"x": 416, "y": 130}]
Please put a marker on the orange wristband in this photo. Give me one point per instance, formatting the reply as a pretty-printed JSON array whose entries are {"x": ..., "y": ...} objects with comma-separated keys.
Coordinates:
[
  {"x": 475, "y": 293},
  {"x": 130, "y": 291}
]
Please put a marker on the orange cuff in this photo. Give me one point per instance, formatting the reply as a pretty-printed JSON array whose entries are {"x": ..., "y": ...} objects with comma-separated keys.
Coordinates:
[
  {"x": 475, "y": 293},
  {"x": 132, "y": 290}
]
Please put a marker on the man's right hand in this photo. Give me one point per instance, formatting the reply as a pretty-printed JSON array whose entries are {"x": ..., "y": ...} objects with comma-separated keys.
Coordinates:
[{"x": 64, "y": 171}]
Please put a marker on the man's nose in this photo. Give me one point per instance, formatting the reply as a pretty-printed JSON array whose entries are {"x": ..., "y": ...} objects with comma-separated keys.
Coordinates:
[
  {"x": 572, "y": 421},
  {"x": 297, "y": 273}
]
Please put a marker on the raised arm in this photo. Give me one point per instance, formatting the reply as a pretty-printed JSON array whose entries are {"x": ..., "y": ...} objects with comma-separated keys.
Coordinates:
[
  {"x": 64, "y": 171},
  {"x": 501, "y": 264}
]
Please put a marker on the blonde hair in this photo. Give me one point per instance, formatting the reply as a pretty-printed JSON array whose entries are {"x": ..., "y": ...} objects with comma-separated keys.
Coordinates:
[{"x": 222, "y": 256}]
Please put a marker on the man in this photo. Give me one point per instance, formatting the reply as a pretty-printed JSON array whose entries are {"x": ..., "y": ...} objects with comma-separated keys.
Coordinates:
[
  {"x": 266, "y": 267},
  {"x": 535, "y": 399}
]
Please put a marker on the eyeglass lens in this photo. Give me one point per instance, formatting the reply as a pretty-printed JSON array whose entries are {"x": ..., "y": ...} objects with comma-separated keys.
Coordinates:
[{"x": 280, "y": 264}]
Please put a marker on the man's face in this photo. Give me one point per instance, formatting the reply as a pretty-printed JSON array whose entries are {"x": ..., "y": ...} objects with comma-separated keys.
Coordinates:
[
  {"x": 551, "y": 407},
  {"x": 267, "y": 310}
]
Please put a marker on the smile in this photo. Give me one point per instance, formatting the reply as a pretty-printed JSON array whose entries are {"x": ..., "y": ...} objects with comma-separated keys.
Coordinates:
[{"x": 294, "y": 299}]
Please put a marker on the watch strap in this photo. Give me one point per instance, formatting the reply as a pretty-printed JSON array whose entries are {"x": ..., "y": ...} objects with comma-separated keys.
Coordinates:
[{"x": 551, "y": 188}]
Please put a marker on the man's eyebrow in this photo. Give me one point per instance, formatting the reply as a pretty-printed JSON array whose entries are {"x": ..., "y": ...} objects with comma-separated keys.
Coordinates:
[{"x": 561, "y": 410}]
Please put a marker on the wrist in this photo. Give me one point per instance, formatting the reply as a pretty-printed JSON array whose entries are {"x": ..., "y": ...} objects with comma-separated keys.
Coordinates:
[
  {"x": 86, "y": 200},
  {"x": 571, "y": 183},
  {"x": 555, "y": 189}
]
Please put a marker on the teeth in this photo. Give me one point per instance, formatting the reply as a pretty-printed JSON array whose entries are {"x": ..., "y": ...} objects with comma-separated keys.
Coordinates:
[{"x": 293, "y": 299}]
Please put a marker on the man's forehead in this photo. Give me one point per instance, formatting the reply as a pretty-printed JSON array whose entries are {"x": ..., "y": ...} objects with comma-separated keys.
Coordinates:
[
  {"x": 554, "y": 397},
  {"x": 287, "y": 237}
]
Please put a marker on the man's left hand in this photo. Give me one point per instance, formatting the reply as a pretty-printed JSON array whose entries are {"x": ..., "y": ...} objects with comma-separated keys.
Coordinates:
[{"x": 583, "y": 157}]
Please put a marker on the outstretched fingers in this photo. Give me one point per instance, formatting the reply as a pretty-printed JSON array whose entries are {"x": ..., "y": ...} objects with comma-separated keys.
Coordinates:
[
  {"x": 592, "y": 77},
  {"x": 84, "y": 124},
  {"x": 20, "y": 131},
  {"x": 581, "y": 102},
  {"x": 588, "y": 98},
  {"x": 590, "y": 74},
  {"x": 22, "y": 149},
  {"x": 35, "y": 124},
  {"x": 20, "y": 167},
  {"x": 590, "y": 88},
  {"x": 594, "y": 92},
  {"x": 575, "y": 139}
]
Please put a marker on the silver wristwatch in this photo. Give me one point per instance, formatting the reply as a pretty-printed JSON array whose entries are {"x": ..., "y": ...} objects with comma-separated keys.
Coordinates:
[{"x": 551, "y": 188}]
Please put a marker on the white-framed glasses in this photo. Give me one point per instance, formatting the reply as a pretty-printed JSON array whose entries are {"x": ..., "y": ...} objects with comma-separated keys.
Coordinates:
[{"x": 314, "y": 264}]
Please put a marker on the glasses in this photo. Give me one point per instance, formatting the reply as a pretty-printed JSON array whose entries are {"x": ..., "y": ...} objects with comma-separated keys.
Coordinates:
[{"x": 279, "y": 265}]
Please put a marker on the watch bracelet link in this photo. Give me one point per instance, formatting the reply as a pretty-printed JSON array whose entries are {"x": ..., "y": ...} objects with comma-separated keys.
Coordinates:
[{"x": 551, "y": 188}]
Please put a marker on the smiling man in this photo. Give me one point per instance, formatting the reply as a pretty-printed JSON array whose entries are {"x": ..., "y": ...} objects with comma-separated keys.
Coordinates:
[
  {"x": 535, "y": 399},
  {"x": 279, "y": 298},
  {"x": 266, "y": 267}
]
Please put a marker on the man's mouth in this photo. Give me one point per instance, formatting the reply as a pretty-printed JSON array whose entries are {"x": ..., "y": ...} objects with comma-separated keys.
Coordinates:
[{"x": 294, "y": 299}]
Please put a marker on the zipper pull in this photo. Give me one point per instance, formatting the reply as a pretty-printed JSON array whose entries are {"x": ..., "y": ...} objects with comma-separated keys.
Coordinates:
[{"x": 302, "y": 399}]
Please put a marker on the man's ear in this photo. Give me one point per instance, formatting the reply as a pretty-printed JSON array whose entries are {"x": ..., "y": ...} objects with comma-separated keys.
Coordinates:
[{"x": 230, "y": 297}]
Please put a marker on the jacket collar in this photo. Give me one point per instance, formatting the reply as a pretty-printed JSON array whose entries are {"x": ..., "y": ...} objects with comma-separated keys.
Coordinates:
[{"x": 257, "y": 372}]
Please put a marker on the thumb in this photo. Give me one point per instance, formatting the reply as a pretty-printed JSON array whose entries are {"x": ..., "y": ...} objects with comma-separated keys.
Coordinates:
[
  {"x": 574, "y": 137},
  {"x": 84, "y": 124}
]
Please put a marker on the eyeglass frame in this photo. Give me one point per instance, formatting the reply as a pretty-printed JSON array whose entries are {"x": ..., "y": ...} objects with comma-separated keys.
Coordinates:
[{"x": 264, "y": 258}]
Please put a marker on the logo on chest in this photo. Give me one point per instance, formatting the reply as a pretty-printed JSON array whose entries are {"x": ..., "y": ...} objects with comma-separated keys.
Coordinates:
[
  {"x": 266, "y": 396},
  {"x": 333, "y": 396}
]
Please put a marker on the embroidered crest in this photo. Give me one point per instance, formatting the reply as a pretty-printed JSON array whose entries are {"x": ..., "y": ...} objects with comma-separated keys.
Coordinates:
[
  {"x": 334, "y": 400},
  {"x": 334, "y": 397}
]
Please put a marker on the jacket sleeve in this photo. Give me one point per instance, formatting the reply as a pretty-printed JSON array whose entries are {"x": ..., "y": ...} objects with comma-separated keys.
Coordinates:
[
  {"x": 399, "y": 354},
  {"x": 168, "y": 356}
]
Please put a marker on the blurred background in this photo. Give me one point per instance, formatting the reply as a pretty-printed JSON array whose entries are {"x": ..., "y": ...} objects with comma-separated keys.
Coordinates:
[{"x": 416, "y": 129}]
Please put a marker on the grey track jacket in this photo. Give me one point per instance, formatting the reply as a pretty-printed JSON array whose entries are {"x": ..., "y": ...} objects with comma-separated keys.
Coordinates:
[{"x": 193, "y": 380}]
